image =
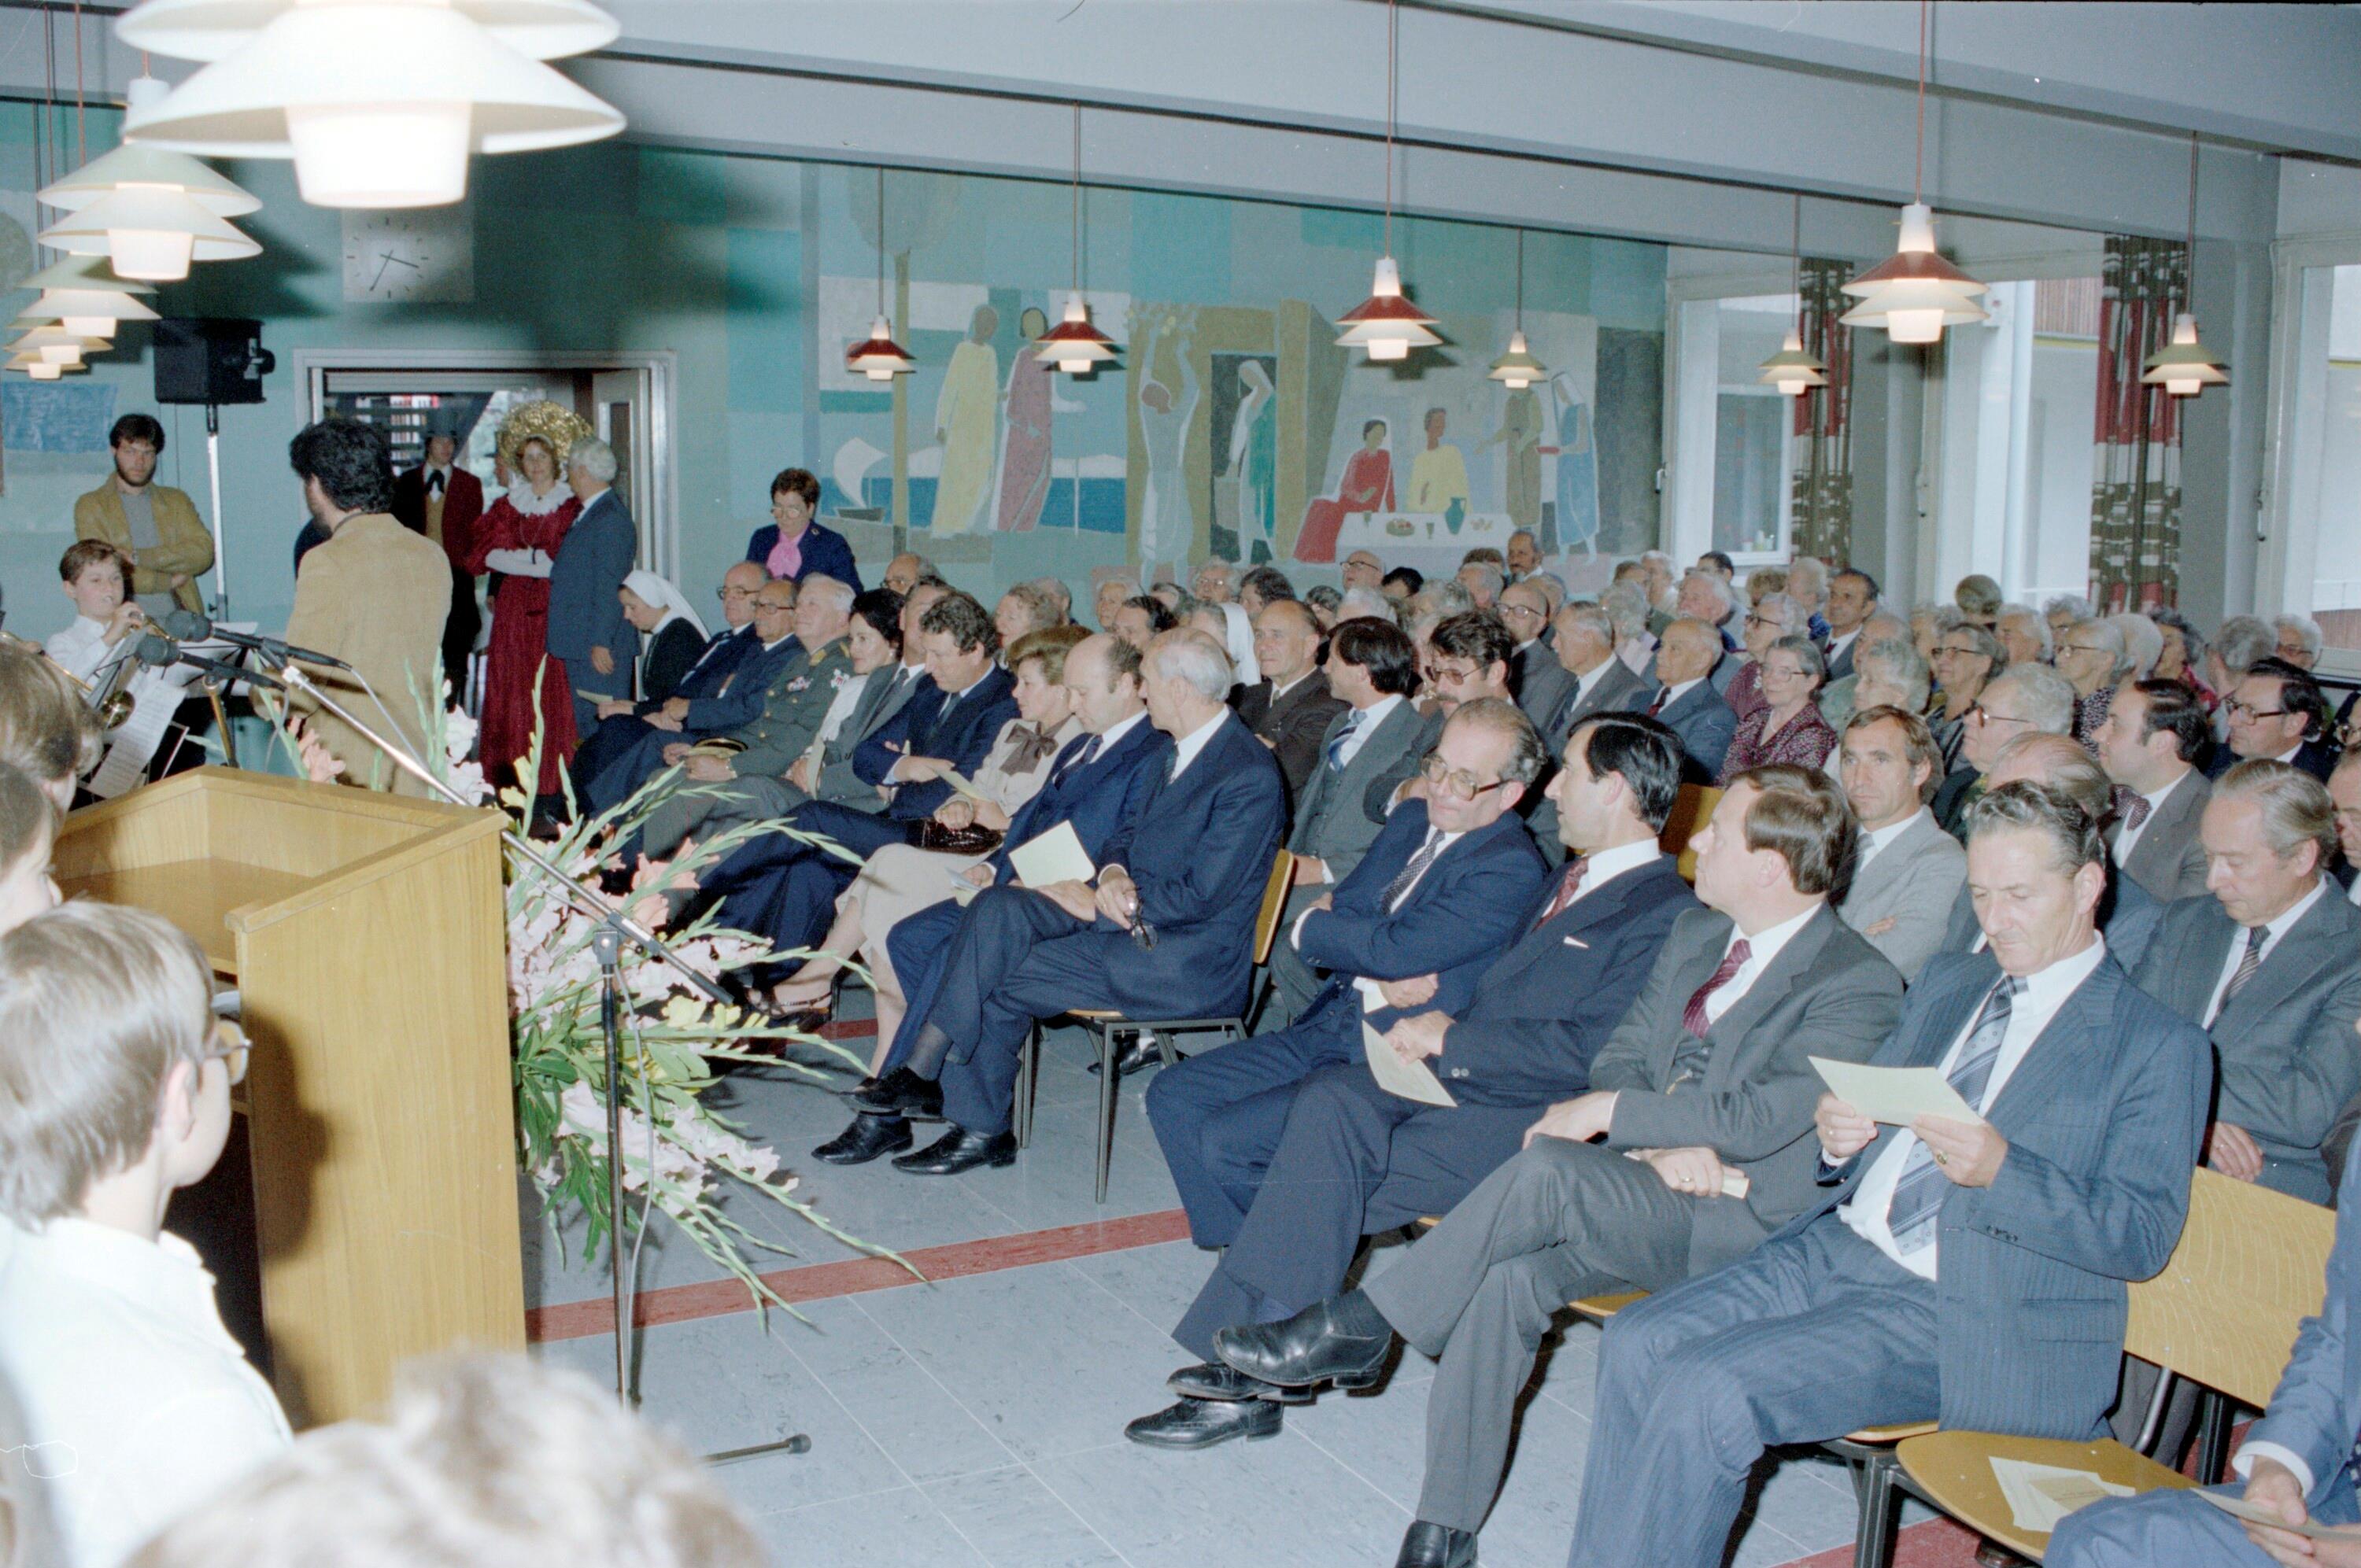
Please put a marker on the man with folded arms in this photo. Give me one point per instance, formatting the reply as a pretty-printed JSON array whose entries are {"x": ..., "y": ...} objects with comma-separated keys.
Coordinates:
[
  {"x": 1448, "y": 885},
  {"x": 1165, "y": 927},
  {"x": 2268, "y": 963},
  {"x": 1290, "y": 707},
  {"x": 1707, "y": 1077},
  {"x": 1967, "y": 1272}
]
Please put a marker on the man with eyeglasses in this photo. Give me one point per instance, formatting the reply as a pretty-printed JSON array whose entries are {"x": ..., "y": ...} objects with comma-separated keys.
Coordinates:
[
  {"x": 2023, "y": 699},
  {"x": 622, "y": 730},
  {"x": 2272, "y": 710},
  {"x": 1290, "y": 707},
  {"x": 1540, "y": 681}
]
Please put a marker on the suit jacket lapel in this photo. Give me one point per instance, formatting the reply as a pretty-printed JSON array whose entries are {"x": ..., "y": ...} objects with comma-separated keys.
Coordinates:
[
  {"x": 2056, "y": 1053},
  {"x": 1383, "y": 742},
  {"x": 2317, "y": 940},
  {"x": 2200, "y": 971},
  {"x": 1771, "y": 986}
]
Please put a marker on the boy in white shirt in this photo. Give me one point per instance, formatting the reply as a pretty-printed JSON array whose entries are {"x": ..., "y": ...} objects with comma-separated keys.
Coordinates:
[
  {"x": 113, "y": 1092},
  {"x": 97, "y": 577}
]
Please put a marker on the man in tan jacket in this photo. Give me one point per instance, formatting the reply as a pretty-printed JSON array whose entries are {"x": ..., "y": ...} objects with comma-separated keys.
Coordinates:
[
  {"x": 154, "y": 524},
  {"x": 374, "y": 596}
]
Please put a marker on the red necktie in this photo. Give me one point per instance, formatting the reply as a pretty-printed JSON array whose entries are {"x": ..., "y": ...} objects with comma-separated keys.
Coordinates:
[
  {"x": 1693, "y": 1017},
  {"x": 1575, "y": 870},
  {"x": 2137, "y": 813},
  {"x": 1657, "y": 706}
]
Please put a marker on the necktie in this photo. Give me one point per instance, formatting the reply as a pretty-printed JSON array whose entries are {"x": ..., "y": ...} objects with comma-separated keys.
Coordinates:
[
  {"x": 1693, "y": 1017},
  {"x": 435, "y": 481},
  {"x": 1080, "y": 759},
  {"x": 2248, "y": 965},
  {"x": 1342, "y": 738},
  {"x": 1417, "y": 866},
  {"x": 1919, "y": 1194},
  {"x": 1657, "y": 706},
  {"x": 2136, "y": 813},
  {"x": 1575, "y": 870}
]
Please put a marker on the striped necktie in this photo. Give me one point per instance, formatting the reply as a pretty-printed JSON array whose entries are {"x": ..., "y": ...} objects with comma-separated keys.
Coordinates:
[
  {"x": 1919, "y": 1192},
  {"x": 1342, "y": 738},
  {"x": 1411, "y": 873},
  {"x": 2251, "y": 960},
  {"x": 1575, "y": 870},
  {"x": 1693, "y": 1017}
]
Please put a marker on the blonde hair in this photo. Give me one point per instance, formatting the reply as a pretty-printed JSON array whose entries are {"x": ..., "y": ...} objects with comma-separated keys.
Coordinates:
[
  {"x": 46, "y": 729},
  {"x": 1046, "y": 647},
  {"x": 97, "y": 1004},
  {"x": 481, "y": 1462}
]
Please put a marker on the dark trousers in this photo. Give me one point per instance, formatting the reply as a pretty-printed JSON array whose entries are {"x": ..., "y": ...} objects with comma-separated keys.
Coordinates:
[
  {"x": 1350, "y": 1161},
  {"x": 919, "y": 947},
  {"x": 786, "y": 890},
  {"x": 1478, "y": 1291},
  {"x": 459, "y": 628},
  {"x": 621, "y": 755},
  {"x": 1805, "y": 1339},
  {"x": 590, "y": 687}
]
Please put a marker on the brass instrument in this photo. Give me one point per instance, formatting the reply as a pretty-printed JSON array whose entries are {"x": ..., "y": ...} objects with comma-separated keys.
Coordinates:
[{"x": 112, "y": 699}]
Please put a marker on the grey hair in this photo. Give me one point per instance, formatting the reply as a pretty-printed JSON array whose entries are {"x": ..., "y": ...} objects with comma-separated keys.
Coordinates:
[
  {"x": 1040, "y": 607},
  {"x": 1657, "y": 555},
  {"x": 1440, "y": 600},
  {"x": 1784, "y": 609},
  {"x": 2296, "y": 808},
  {"x": 2073, "y": 834},
  {"x": 2067, "y": 767},
  {"x": 1488, "y": 573},
  {"x": 2243, "y": 642},
  {"x": 2109, "y": 636},
  {"x": 1365, "y": 604},
  {"x": 1713, "y": 585},
  {"x": 1902, "y": 666},
  {"x": 840, "y": 595},
  {"x": 1056, "y": 589},
  {"x": 1807, "y": 654},
  {"x": 2048, "y": 694},
  {"x": 2072, "y": 605},
  {"x": 1528, "y": 753},
  {"x": 1189, "y": 656},
  {"x": 1810, "y": 567},
  {"x": 2143, "y": 643},
  {"x": 2036, "y": 624},
  {"x": 1985, "y": 642},
  {"x": 594, "y": 457},
  {"x": 2193, "y": 642},
  {"x": 1587, "y": 617},
  {"x": 2306, "y": 630},
  {"x": 1627, "y": 607}
]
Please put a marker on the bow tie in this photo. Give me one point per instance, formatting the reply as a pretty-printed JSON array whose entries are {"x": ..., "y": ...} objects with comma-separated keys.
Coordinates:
[
  {"x": 1031, "y": 746},
  {"x": 433, "y": 481}
]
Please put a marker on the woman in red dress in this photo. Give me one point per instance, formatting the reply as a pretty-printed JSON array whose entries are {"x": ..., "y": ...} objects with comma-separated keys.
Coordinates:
[
  {"x": 1368, "y": 485},
  {"x": 518, "y": 538}
]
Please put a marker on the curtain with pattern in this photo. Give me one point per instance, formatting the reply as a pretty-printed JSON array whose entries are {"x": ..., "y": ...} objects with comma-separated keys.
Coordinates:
[
  {"x": 2136, "y": 491},
  {"x": 1821, "y": 484}
]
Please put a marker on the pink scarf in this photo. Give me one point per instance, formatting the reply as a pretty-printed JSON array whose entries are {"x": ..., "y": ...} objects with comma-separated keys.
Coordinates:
[{"x": 786, "y": 557}]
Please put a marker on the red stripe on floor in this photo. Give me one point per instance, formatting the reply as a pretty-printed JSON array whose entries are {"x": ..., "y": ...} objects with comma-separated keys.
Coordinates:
[
  {"x": 1931, "y": 1543},
  {"x": 853, "y": 1276}
]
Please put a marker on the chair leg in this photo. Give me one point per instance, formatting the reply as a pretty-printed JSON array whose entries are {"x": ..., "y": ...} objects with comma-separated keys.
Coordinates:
[
  {"x": 2213, "y": 1424},
  {"x": 1029, "y": 1065},
  {"x": 1108, "y": 1099},
  {"x": 1872, "y": 1478}
]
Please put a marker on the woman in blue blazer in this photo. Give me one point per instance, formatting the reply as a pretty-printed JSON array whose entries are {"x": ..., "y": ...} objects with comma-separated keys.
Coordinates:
[{"x": 795, "y": 546}]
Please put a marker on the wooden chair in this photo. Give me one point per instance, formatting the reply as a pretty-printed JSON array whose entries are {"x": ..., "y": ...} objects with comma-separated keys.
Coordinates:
[
  {"x": 2223, "y": 1312},
  {"x": 1691, "y": 810},
  {"x": 1106, "y": 1027}
]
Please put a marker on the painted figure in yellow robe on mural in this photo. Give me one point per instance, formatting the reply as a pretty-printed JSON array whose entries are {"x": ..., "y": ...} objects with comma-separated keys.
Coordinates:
[
  {"x": 1438, "y": 477},
  {"x": 1521, "y": 436},
  {"x": 965, "y": 421}
]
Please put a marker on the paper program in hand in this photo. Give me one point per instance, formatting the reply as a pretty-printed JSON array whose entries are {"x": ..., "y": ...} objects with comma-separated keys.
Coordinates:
[
  {"x": 1896, "y": 1096},
  {"x": 1411, "y": 1079},
  {"x": 2041, "y": 1495},
  {"x": 1055, "y": 856}
]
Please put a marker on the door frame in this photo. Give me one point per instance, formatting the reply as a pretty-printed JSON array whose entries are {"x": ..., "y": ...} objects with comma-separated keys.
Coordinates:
[{"x": 659, "y": 372}]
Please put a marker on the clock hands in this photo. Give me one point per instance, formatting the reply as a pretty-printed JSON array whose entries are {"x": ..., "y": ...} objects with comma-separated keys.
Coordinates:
[{"x": 387, "y": 259}]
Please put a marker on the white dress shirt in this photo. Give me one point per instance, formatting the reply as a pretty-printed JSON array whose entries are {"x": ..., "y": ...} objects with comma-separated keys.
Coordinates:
[
  {"x": 1621, "y": 861},
  {"x": 1585, "y": 684},
  {"x": 1372, "y": 999},
  {"x": 2353, "y": 893},
  {"x": 840, "y": 708},
  {"x": 1837, "y": 645},
  {"x": 2277, "y": 928},
  {"x": 2029, "y": 1015},
  {"x": 1877, "y": 838},
  {"x": 81, "y": 648},
  {"x": 1371, "y": 717},
  {"x": 1674, "y": 694},
  {"x": 1278, "y": 691},
  {"x": 1760, "y": 950},
  {"x": 1108, "y": 737},
  {"x": 137, "y": 1404},
  {"x": 2129, "y": 836},
  {"x": 1185, "y": 749}
]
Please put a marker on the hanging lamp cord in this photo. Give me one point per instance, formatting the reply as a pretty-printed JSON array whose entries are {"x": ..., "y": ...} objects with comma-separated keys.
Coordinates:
[
  {"x": 1393, "y": 78},
  {"x": 1918, "y": 175},
  {"x": 1076, "y": 214},
  {"x": 2189, "y": 261},
  {"x": 881, "y": 239},
  {"x": 82, "y": 142}
]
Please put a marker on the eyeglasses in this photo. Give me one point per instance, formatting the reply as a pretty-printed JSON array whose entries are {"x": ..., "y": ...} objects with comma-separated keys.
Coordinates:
[
  {"x": 1943, "y": 648},
  {"x": 2237, "y": 707},
  {"x": 229, "y": 1048},
  {"x": 726, "y": 595},
  {"x": 1983, "y": 715},
  {"x": 763, "y": 604},
  {"x": 1510, "y": 609},
  {"x": 1764, "y": 620},
  {"x": 1457, "y": 674},
  {"x": 2066, "y": 648},
  {"x": 1456, "y": 783}
]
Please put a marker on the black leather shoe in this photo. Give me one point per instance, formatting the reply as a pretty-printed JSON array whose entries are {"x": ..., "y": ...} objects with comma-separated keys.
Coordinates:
[
  {"x": 868, "y": 1137},
  {"x": 1428, "y": 1545},
  {"x": 1201, "y": 1423},
  {"x": 959, "y": 1151},
  {"x": 1212, "y": 1380},
  {"x": 1304, "y": 1350},
  {"x": 1140, "y": 1054},
  {"x": 901, "y": 1092}
]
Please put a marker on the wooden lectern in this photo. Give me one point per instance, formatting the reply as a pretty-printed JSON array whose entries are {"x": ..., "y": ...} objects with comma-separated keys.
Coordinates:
[{"x": 365, "y": 934}]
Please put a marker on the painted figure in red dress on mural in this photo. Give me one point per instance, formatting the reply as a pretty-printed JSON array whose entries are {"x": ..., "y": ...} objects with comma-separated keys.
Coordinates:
[{"x": 1367, "y": 486}]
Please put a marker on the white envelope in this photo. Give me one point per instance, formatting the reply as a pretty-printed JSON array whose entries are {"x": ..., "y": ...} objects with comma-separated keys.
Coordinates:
[
  {"x": 1055, "y": 856},
  {"x": 1896, "y": 1096},
  {"x": 958, "y": 784},
  {"x": 1411, "y": 1081}
]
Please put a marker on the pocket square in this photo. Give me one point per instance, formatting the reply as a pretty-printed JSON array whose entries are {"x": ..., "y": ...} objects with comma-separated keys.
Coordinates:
[{"x": 1577, "y": 942}]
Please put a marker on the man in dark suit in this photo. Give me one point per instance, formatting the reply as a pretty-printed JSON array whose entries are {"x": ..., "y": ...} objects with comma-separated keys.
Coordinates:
[
  {"x": 2276, "y": 712},
  {"x": 1707, "y": 1077},
  {"x": 2153, "y": 733},
  {"x": 1288, "y": 1170},
  {"x": 1290, "y": 707},
  {"x": 1852, "y": 601},
  {"x": 2269, "y": 964},
  {"x": 1967, "y": 1272},
  {"x": 587, "y": 628},
  {"x": 724, "y": 652},
  {"x": 1165, "y": 926},
  {"x": 948, "y": 724},
  {"x": 1687, "y": 701},
  {"x": 1096, "y": 785},
  {"x": 1368, "y": 749},
  {"x": 1597, "y": 682},
  {"x": 1535, "y": 673},
  {"x": 2023, "y": 699},
  {"x": 443, "y": 501},
  {"x": 792, "y": 545}
]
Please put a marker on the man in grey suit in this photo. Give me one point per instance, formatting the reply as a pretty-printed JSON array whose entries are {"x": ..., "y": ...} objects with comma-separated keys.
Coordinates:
[
  {"x": 2297, "y": 1460},
  {"x": 2154, "y": 732},
  {"x": 1598, "y": 682},
  {"x": 1707, "y": 1079},
  {"x": 587, "y": 628},
  {"x": 1910, "y": 872},
  {"x": 1535, "y": 673},
  {"x": 1687, "y": 701},
  {"x": 2269, "y": 964},
  {"x": 1967, "y": 1272},
  {"x": 1370, "y": 749}
]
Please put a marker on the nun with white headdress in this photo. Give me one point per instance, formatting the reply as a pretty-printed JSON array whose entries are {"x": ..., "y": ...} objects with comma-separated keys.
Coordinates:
[
  {"x": 674, "y": 635},
  {"x": 1228, "y": 625}
]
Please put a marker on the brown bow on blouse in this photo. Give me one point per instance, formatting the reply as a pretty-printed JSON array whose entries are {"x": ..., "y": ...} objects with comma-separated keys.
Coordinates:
[{"x": 1030, "y": 748}]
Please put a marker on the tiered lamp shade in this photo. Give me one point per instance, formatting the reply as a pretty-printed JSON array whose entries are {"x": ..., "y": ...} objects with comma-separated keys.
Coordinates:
[
  {"x": 878, "y": 356},
  {"x": 1517, "y": 368},
  {"x": 41, "y": 369},
  {"x": 442, "y": 80},
  {"x": 1914, "y": 294},
  {"x": 86, "y": 312},
  {"x": 57, "y": 347},
  {"x": 1074, "y": 344},
  {"x": 1386, "y": 323},
  {"x": 1792, "y": 370},
  {"x": 149, "y": 232},
  {"x": 133, "y": 164},
  {"x": 2185, "y": 367}
]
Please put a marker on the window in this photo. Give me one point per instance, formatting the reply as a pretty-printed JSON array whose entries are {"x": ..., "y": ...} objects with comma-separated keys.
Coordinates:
[
  {"x": 1734, "y": 444},
  {"x": 2310, "y": 559}
]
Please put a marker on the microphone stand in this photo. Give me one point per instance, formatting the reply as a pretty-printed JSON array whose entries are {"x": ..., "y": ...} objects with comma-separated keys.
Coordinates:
[{"x": 614, "y": 926}]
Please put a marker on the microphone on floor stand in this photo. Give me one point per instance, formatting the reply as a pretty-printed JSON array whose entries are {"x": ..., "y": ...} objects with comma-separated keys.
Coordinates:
[
  {"x": 160, "y": 652},
  {"x": 192, "y": 626}
]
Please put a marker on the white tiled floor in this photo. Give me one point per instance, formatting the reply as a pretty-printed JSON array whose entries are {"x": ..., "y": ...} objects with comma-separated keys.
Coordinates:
[{"x": 979, "y": 1421}]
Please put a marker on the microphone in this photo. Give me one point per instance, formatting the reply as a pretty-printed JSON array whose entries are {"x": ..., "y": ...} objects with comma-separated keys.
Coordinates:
[
  {"x": 192, "y": 626},
  {"x": 155, "y": 649}
]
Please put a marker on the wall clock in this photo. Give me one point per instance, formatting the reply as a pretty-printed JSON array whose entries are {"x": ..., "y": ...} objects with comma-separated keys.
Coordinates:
[{"x": 410, "y": 254}]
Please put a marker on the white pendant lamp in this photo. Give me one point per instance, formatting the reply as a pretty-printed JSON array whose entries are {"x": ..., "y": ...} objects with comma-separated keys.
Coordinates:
[
  {"x": 1518, "y": 369},
  {"x": 1074, "y": 345},
  {"x": 1792, "y": 370},
  {"x": 1914, "y": 294},
  {"x": 442, "y": 79},
  {"x": 878, "y": 356},
  {"x": 1386, "y": 323},
  {"x": 57, "y": 347},
  {"x": 86, "y": 313},
  {"x": 150, "y": 211},
  {"x": 39, "y": 369},
  {"x": 2185, "y": 368}
]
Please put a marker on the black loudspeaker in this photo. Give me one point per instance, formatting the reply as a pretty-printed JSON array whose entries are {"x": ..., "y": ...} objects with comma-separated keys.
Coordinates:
[{"x": 210, "y": 359}]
